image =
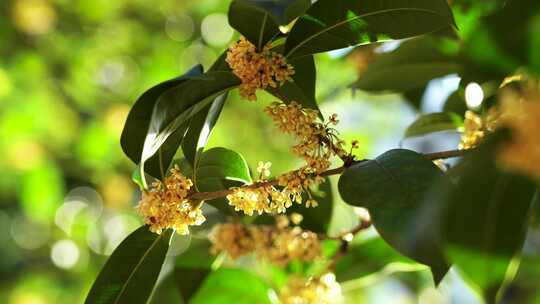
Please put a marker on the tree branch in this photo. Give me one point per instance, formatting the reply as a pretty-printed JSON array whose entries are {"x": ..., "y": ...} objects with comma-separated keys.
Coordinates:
[{"x": 206, "y": 196}]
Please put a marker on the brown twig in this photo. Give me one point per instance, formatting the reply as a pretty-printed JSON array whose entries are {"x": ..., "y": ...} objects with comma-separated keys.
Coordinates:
[
  {"x": 344, "y": 245},
  {"x": 205, "y": 196},
  {"x": 445, "y": 154}
]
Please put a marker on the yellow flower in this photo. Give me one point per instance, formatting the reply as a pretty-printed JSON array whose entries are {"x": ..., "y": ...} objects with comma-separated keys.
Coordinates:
[
  {"x": 257, "y": 70},
  {"x": 264, "y": 168},
  {"x": 521, "y": 113},
  {"x": 165, "y": 205},
  {"x": 278, "y": 244},
  {"x": 476, "y": 127},
  {"x": 318, "y": 290}
]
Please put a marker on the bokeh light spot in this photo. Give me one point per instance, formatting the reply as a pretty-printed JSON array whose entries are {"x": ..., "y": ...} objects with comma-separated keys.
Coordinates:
[
  {"x": 34, "y": 17},
  {"x": 28, "y": 234},
  {"x": 65, "y": 254},
  {"x": 215, "y": 29},
  {"x": 179, "y": 28},
  {"x": 474, "y": 95}
]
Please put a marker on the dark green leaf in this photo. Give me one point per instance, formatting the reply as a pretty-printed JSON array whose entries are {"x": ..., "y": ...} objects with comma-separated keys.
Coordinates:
[
  {"x": 177, "y": 105},
  {"x": 252, "y": 22},
  {"x": 220, "y": 169},
  {"x": 433, "y": 122},
  {"x": 200, "y": 127},
  {"x": 220, "y": 64},
  {"x": 411, "y": 66},
  {"x": 302, "y": 87},
  {"x": 132, "y": 270},
  {"x": 414, "y": 97},
  {"x": 509, "y": 46},
  {"x": 232, "y": 286},
  {"x": 317, "y": 219},
  {"x": 138, "y": 122},
  {"x": 166, "y": 292},
  {"x": 192, "y": 267},
  {"x": 456, "y": 103},
  {"x": 335, "y": 24},
  {"x": 393, "y": 187},
  {"x": 486, "y": 216},
  {"x": 283, "y": 11}
]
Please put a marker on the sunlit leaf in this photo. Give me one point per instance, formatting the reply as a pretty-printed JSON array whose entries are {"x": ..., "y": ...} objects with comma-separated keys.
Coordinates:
[
  {"x": 229, "y": 285},
  {"x": 132, "y": 270},
  {"x": 335, "y": 24},
  {"x": 220, "y": 169}
]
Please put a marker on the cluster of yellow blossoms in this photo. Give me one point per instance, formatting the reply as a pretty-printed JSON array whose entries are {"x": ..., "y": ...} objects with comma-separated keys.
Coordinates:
[
  {"x": 257, "y": 70},
  {"x": 476, "y": 127},
  {"x": 521, "y": 113},
  {"x": 320, "y": 290},
  {"x": 165, "y": 205},
  {"x": 279, "y": 244},
  {"x": 316, "y": 143}
]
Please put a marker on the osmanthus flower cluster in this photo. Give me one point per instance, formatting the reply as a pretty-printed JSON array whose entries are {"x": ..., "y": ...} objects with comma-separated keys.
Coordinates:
[
  {"x": 476, "y": 127},
  {"x": 317, "y": 290},
  {"x": 521, "y": 114},
  {"x": 316, "y": 142},
  {"x": 278, "y": 244},
  {"x": 165, "y": 204},
  {"x": 257, "y": 69}
]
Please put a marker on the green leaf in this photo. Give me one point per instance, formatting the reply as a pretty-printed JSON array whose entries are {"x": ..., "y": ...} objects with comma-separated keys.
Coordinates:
[
  {"x": 486, "y": 217},
  {"x": 456, "y": 103},
  {"x": 138, "y": 122},
  {"x": 302, "y": 86},
  {"x": 132, "y": 270},
  {"x": 317, "y": 219},
  {"x": 335, "y": 24},
  {"x": 252, "y": 22},
  {"x": 200, "y": 127},
  {"x": 393, "y": 187},
  {"x": 220, "y": 169},
  {"x": 414, "y": 97},
  {"x": 409, "y": 67},
  {"x": 367, "y": 257},
  {"x": 221, "y": 163},
  {"x": 283, "y": 11},
  {"x": 192, "y": 267},
  {"x": 177, "y": 105},
  {"x": 433, "y": 122},
  {"x": 232, "y": 286}
]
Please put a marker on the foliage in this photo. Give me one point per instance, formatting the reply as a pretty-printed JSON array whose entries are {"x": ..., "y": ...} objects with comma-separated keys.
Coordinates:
[
  {"x": 415, "y": 207},
  {"x": 348, "y": 214}
]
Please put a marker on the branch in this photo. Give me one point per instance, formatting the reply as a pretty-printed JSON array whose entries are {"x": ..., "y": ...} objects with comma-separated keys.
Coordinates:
[
  {"x": 206, "y": 196},
  {"x": 446, "y": 154}
]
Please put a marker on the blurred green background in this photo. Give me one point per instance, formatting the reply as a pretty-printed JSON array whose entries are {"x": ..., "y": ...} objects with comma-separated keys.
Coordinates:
[{"x": 69, "y": 71}]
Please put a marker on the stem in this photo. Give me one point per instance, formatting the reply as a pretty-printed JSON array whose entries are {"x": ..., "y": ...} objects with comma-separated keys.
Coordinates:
[
  {"x": 205, "y": 196},
  {"x": 446, "y": 154},
  {"x": 344, "y": 245}
]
